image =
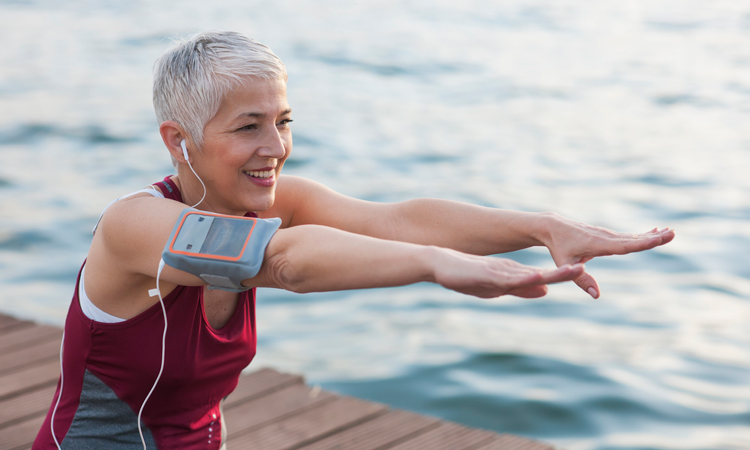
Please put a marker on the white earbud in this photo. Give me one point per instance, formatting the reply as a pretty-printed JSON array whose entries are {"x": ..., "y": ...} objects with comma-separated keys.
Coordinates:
[
  {"x": 185, "y": 154},
  {"x": 184, "y": 150}
]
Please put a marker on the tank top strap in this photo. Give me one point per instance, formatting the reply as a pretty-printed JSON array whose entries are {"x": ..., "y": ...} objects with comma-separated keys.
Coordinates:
[{"x": 169, "y": 189}]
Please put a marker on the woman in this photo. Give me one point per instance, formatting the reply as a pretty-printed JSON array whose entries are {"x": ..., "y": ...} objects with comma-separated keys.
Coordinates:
[{"x": 221, "y": 101}]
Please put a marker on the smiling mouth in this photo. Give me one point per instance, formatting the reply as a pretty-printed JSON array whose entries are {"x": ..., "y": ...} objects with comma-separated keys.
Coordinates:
[{"x": 259, "y": 173}]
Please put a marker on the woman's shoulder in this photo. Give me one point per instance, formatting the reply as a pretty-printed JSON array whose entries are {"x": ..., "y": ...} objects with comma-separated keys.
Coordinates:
[
  {"x": 136, "y": 225},
  {"x": 138, "y": 208}
]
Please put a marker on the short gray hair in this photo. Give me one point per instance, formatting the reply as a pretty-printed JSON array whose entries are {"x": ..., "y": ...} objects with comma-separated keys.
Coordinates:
[{"x": 192, "y": 77}]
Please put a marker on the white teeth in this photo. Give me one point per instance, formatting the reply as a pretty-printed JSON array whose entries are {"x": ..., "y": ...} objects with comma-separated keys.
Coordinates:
[{"x": 260, "y": 173}]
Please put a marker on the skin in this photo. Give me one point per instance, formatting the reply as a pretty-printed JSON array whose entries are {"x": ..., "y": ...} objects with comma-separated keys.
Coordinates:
[{"x": 328, "y": 241}]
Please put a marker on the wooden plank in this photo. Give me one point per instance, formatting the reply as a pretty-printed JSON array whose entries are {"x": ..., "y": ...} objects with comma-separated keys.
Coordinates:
[
  {"x": 34, "y": 354},
  {"x": 275, "y": 406},
  {"x": 257, "y": 384},
  {"x": 16, "y": 383},
  {"x": 7, "y": 328},
  {"x": 8, "y": 323},
  {"x": 268, "y": 410},
  {"x": 26, "y": 336},
  {"x": 448, "y": 436},
  {"x": 513, "y": 442},
  {"x": 313, "y": 424},
  {"x": 386, "y": 430},
  {"x": 7, "y": 319},
  {"x": 21, "y": 435},
  {"x": 22, "y": 407}
]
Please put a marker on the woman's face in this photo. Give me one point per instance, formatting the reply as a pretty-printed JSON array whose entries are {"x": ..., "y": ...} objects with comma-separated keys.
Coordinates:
[{"x": 245, "y": 146}]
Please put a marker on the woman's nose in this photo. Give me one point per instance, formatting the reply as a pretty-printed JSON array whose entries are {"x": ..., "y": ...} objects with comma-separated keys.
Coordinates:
[{"x": 273, "y": 146}]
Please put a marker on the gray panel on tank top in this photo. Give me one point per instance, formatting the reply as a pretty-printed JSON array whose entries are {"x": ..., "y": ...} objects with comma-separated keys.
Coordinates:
[{"x": 103, "y": 421}]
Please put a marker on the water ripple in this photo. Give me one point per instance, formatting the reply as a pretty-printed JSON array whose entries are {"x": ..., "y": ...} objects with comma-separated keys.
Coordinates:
[
  {"x": 23, "y": 240},
  {"x": 383, "y": 69},
  {"x": 32, "y": 133}
]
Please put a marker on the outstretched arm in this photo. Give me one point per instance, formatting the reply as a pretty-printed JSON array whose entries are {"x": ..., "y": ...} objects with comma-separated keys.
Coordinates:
[
  {"x": 312, "y": 258},
  {"x": 467, "y": 228}
]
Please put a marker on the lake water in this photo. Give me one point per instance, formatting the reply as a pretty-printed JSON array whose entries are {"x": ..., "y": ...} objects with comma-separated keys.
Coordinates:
[{"x": 628, "y": 115}]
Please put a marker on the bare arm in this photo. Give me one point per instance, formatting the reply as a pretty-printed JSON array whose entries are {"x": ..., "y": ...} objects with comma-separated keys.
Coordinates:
[
  {"x": 444, "y": 223},
  {"x": 311, "y": 258},
  {"x": 463, "y": 227}
]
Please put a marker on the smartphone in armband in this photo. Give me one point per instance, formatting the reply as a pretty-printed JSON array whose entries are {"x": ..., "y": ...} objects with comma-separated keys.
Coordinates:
[{"x": 222, "y": 250}]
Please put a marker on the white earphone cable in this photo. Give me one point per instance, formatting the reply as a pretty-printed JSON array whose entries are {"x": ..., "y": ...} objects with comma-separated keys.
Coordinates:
[
  {"x": 187, "y": 158},
  {"x": 163, "y": 344},
  {"x": 199, "y": 179},
  {"x": 62, "y": 380}
]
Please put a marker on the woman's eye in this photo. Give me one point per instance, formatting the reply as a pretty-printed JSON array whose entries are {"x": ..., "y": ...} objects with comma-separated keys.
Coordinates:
[
  {"x": 251, "y": 126},
  {"x": 285, "y": 122}
]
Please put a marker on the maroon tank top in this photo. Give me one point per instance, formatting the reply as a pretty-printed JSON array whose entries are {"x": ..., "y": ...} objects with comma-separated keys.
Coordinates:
[{"x": 109, "y": 368}]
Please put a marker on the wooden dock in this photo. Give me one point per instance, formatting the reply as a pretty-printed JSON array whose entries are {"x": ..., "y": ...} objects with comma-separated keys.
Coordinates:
[{"x": 268, "y": 410}]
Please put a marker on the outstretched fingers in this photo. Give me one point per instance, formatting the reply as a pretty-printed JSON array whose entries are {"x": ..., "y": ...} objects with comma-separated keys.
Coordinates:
[
  {"x": 626, "y": 244},
  {"x": 488, "y": 277},
  {"x": 571, "y": 242},
  {"x": 640, "y": 242},
  {"x": 541, "y": 277}
]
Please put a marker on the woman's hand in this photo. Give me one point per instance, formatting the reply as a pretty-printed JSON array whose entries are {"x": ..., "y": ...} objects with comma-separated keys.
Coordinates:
[
  {"x": 487, "y": 277},
  {"x": 571, "y": 242}
]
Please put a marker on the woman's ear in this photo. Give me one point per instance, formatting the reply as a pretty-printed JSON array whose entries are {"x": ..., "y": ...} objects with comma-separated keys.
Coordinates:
[{"x": 172, "y": 134}]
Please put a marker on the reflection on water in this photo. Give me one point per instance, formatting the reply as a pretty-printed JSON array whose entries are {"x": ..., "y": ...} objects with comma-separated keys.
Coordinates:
[{"x": 628, "y": 115}]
